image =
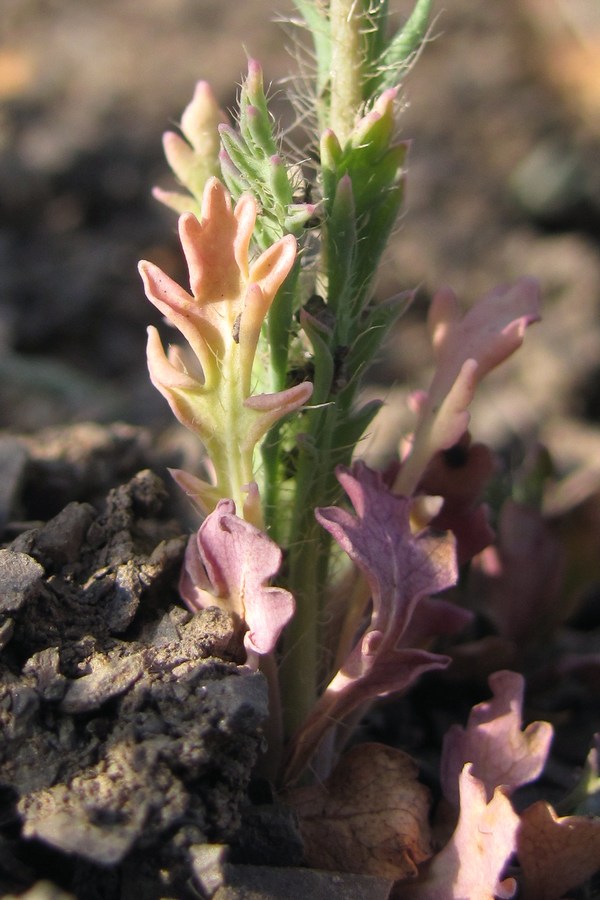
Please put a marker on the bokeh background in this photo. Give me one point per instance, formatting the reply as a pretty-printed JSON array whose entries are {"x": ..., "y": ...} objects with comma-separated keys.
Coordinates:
[{"x": 503, "y": 111}]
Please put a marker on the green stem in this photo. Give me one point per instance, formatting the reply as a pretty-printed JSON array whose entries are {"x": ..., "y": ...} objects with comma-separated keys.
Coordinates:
[
  {"x": 346, "y": 65},
  {"x": 299, "y": 664},
  {"x": 227, "y": 448},
  {"x": 307, "y": 570}
]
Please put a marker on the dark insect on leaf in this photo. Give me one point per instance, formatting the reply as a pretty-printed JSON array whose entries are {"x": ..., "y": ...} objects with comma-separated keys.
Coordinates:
[{"x": 235, "y": 331}]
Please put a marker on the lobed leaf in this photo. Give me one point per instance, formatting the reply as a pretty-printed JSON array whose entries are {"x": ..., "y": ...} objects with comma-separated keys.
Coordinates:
[
  {"x": 228, "y": 564},
  {"x": 493, "y": 743},
  {"x": 470, "y": 865}
]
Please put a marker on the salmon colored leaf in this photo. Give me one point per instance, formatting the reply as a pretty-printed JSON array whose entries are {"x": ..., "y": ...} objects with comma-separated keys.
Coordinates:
[
  {"x": 215, "y": 388},
  {"x": 465, "y": 348}
]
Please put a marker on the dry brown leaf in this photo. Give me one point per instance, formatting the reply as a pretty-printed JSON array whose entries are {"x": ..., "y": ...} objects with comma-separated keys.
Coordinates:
[
  {"x": 370, "y": 816},
  {"x": 556, "y": 854}
]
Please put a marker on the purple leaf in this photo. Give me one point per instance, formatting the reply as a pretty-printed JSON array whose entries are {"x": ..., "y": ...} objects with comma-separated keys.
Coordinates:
[
  {"x": 500, "y": 753},
  {"x": 521, "y": 577},
  {"x": 460, "y": 476},
  {"x": 401, "y": 570},
  {"x": 228, "y": 564}
]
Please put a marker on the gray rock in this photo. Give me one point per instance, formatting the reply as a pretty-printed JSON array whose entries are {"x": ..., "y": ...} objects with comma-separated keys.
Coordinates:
[
  {"x": 20, "y": 580},
  {"x": 59, "y": 541},
  {"x": 45, "y": 668},
  {"x": 108, "y": 679},
  {"x": 106, "y": 809},
  {"x": 219, "y": 880}
]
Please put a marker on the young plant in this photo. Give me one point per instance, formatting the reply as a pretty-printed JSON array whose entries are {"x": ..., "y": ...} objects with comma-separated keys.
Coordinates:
[{"x": 281, "y": 323}]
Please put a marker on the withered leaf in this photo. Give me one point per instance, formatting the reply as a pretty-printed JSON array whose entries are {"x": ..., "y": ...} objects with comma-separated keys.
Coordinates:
[
  {"x": 556, "y": 854},
  {"x": 370, "y": 816}
]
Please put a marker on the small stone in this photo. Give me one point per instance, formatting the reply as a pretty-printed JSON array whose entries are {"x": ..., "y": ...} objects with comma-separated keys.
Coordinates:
[
  {"x": 267, "y": 883},
  {"x": 207, "y": 862},
  {"x": 109, "y": 679},
  {"x": 41, "y": 890},
  {"x": 58, "y": 543},
  {"x": 45, "y": 667},
  {"x": 166, "y": 630},
  {"x": 7, "y": 630},
  {"x": 21, "y": 579},
  {"x": 105, "y": 809},
  {"x": 242, "y": 699}
]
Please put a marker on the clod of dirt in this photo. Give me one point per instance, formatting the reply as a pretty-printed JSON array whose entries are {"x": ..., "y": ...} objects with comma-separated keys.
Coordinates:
[
  {"x": 128, "y": 731},
  {"x": 21, "y": 579}
]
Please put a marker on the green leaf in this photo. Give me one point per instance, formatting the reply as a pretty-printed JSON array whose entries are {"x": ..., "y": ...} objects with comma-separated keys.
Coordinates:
[
  {"x": 279, "y": 322},
  {"x": 398, "y": 55},
  {"x": 256, "y": 125},
  {"x": 251, "y": 169},
  {"x": 341, "y": 237},
  {"x": 374, "y": 328},
  {"x": 351, "y": 429},
  {"x": 323, "y": 361},
  {"x": 375, "y": 34},
  {"x": 317, "y": 22}
]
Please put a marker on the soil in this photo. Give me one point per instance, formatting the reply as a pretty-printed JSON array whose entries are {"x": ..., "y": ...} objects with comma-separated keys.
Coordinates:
[{"x": 129, "y": 734}]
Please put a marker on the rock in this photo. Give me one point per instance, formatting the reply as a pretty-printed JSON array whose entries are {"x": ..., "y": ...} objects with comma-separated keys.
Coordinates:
[
  {"x": 21, "y": 579},
  {"x": 45, "y": 668},
  {"x": 80, "y": 462},
  {"x": 181, "y": 749},
  {"x": 128, "y": 732},
  {"x": 99, "y": 565},
  {"x": 42, "y": 890},
  {"x": 58, "y": 542},
  {"x": 219, "y": 880},
  {"x": 103, "y": 811},
  {"x": 108, "y": 679}
]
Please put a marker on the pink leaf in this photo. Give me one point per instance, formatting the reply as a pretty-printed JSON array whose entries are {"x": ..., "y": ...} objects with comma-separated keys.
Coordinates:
[
  {"x": 500, "y": 753},
  {"x": 227, "y": 564},
  {"x": 489, "y": 332},
  {"x": 465, "y": 350},
  {"x": 400, "y": 567},
  {"x": 469, "y": 866}
]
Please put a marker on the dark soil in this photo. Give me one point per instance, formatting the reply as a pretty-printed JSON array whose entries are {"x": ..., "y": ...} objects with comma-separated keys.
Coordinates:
[{"x": 128, "y": 735}]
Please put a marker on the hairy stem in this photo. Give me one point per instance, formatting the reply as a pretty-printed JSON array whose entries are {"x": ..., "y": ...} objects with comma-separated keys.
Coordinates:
[
  {"x": 346, "y": 65},
  {"x": 307, "y": 568}
]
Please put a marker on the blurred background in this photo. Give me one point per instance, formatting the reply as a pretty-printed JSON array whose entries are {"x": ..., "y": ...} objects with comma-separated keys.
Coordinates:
[{"x": 503, "y": 111}]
